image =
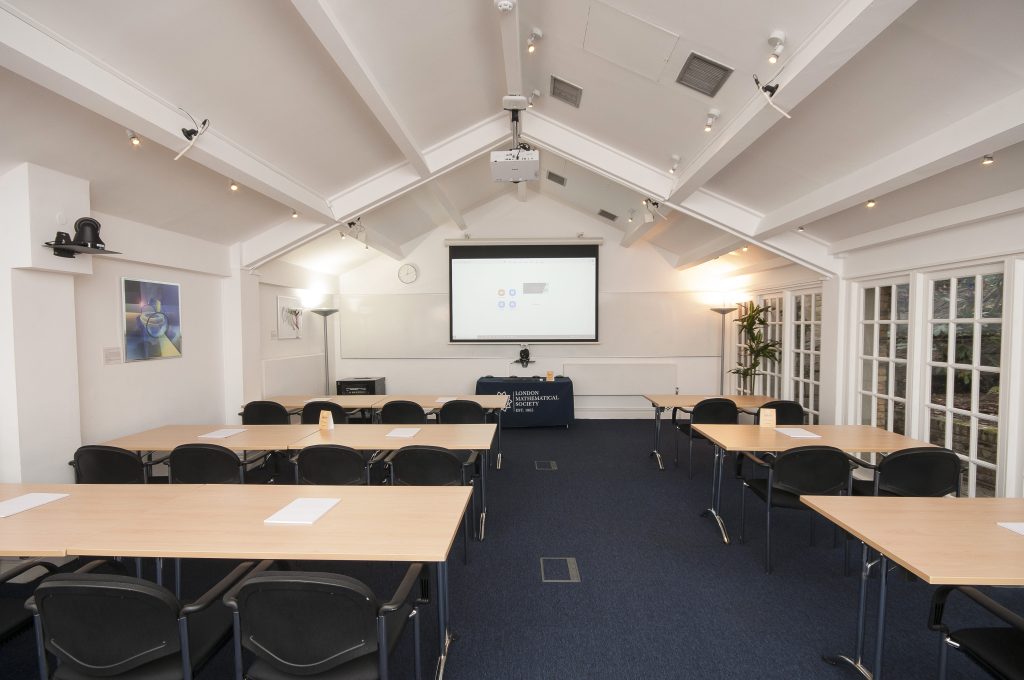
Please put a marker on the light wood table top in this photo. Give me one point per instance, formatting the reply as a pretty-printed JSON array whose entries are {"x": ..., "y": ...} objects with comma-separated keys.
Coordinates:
[
  {"x": 254, "y": 437},
  {"x": 687, "y": 401},
  {"x": 374, "y": 437},
  {"x": 945, "y": 541},
  {"x": 487, "y": 401},
  {"x": 295, "y": 402},
  {"x": 849, "y": 438}
]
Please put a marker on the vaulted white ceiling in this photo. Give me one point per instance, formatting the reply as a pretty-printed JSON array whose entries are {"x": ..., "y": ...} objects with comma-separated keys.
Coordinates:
[{"x": 385, "y": 111}]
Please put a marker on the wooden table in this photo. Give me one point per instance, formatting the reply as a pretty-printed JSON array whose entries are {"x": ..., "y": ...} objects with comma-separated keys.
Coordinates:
[
  {"x": 662, "y": 402},
  {"x": 253, "y": 437},
  {"x": 409, "y": 524},
  {"x": 346, "y": 401},
  {"x": 944, "y": 541},
  {"x": 849, "y": 438}
]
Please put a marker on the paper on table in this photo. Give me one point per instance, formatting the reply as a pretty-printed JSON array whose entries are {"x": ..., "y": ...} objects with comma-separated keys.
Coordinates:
[
  {"x": 404, "y": 432},
  {"x": 445, "y": 400},
  {"x": 302, "y": 511},
  {"x": 13, "y": 506},
  {"x": 316, "y": 399},
  {"x": 223, "y": 434},
  {"x": 1015, "y": 527},
  {"x": 797, "y": 432}
]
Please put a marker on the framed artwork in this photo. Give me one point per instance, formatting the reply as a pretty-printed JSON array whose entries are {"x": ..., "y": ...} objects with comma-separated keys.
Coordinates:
[
  {"x": 289, "y": 318},
  {"x": 152, "y": 319}
]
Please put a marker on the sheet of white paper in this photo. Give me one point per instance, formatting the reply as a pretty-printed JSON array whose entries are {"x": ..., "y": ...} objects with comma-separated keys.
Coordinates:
[
  {"x": 1015, "y": 527},
  {"x": 317, "y": 399},
  {"x": 445, "y": 400},
  {"x": 13, "y": 506},
  {"x": 222, "y": 434},
  {"x": 404, "y": 432},
  {"x": 797, "y": 432},
  {"x": 302, "y": 511}
]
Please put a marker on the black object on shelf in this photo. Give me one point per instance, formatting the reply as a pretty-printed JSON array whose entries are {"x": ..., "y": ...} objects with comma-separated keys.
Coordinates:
[
  {"x": 87, "y": 240},
  {"x": 361, "y": 386}
]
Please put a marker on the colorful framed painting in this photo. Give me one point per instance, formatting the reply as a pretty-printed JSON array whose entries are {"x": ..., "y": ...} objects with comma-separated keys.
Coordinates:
[{"x": 152, "y": 319}]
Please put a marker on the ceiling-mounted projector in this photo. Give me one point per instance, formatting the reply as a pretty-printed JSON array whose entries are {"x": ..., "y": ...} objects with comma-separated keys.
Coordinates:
[{"x": 515, "y": 165}]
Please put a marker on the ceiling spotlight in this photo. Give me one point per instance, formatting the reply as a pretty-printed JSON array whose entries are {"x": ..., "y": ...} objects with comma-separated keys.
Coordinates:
[
  {"x": 531, "y": 40},
  {"x": 233, "y": 186},
  {"x": 713, "y": 115},
  {"x": 745, "y": 249},
  {"x": 632, "y": 211},
  {"x": 988, "y": 160},
  {"x": 800, "y": 229},
  {"x": 675, "y": 164},
  {"x": 778, "y": 42},
  {"x": 295, "y": 214},
  {"x": 533, "y": 95},
  {"x": 870, "y": 204},
  {"x": 133, "y": 138}
]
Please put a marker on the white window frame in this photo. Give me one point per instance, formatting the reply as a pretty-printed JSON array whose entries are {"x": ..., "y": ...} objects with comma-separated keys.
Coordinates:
[{"x": 875, "y": 355}]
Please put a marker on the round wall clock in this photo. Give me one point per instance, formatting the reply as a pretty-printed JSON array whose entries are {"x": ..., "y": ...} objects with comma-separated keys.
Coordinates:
[{"x": 408, "y": 273}]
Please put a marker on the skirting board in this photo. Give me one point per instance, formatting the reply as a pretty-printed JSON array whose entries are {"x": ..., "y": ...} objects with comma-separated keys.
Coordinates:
[{"x": 593, "y": 379}]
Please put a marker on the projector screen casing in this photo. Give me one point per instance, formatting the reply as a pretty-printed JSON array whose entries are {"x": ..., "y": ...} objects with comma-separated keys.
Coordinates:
[{"x": 576, "y": 261}]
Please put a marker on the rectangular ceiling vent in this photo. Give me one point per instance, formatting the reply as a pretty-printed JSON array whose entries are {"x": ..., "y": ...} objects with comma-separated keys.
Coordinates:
[
  {"x": 566, "y": 92},
  {"x": 701, "y": 74},
  {"x": 611, "y": 217},
  {"x": 557, "y": 179}
]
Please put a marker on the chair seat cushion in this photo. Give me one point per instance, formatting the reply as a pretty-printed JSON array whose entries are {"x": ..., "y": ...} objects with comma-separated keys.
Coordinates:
[
  {"x": 780, "y": 499},
  {"x": 1000, "y": 651}
]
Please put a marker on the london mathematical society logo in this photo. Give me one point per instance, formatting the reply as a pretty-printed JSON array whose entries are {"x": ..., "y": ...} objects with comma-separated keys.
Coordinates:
[{"x": 508, "y": 402}]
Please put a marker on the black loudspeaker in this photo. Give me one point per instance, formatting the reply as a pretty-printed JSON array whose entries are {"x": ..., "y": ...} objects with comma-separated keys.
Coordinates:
[{"x": 524, "y": 357}]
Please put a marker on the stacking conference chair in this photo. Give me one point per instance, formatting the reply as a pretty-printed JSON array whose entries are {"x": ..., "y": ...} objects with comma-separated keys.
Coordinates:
[
  {"x": 999, "y": 650},
  {"x": 918, "y": 471},
  {"x": 114, "y": 626},
  {"x": 463, "y": 412},
  {"x": 331, "y": 464},
  {"x": 215, "y": 464},
  {"x": 714, "y": 411},
  {"x": 96, "y": 464},
  {"x": 402, "y": 412},
  {"x": 14, "y": 618},
  {"x": 432, "y": 466},
  {"x": 323, "y": 625},
  {"x": 811, "y": 470},
  {"x": 265, "y": 413},
  {"x": 786, "y": 413},
  {"x": 311, "y": 412}
]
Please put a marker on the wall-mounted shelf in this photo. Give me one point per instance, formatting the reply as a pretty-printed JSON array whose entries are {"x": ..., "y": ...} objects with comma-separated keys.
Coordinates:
[{"x": 68, "y": 250}]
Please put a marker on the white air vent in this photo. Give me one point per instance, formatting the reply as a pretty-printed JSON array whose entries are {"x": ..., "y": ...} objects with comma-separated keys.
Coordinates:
[
  {"x": 701, "y": 74},
  {"x": 611, "y": 217},
  {"x": 557, "y": 179},
  {"x": 566, "y": 92}
]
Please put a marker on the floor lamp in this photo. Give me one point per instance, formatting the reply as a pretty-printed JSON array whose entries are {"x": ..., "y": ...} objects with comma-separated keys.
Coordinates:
[
  {"x": 325, "y": 312},
  {"x": 724, "y": 311}
]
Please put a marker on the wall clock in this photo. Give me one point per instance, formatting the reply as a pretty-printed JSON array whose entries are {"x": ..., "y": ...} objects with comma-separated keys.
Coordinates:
[{"x": 408, "y": 273}]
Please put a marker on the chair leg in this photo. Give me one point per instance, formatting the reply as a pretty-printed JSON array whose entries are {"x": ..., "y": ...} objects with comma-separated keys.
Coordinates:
[
  {"x": 37, "y": 623},
  {"x": 743, "y": 510},
  {"x": 691, "y": 455},
  {"x": 177, "y": 577},
  {"x": 943, "y": 652},
  {"x": 138, "y": 567},
  {"x": 768, "y": 537},
  {"x": 465, "y": 538},
  {"x": 382, "y": 648},
  {"x": 416, "y": 642},
  {"x": 677, "y": 448}
]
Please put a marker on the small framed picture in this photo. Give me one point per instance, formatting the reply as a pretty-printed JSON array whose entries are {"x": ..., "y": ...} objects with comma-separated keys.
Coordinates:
[{"x": 152, "y": 319}]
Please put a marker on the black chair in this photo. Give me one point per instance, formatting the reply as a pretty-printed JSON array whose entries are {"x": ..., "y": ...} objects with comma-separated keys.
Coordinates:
[
  {"x": 301, "y": 624},
  {"x": 14, "y": 618},
  {"x": 432, "y": 466},
  {"x": 999, "y": 650},
  {"x": 331, "y": 464},
  {"x": 311, "y": 412},
  {"x": 808, "y": 470},
  {"x": 714, "y": 411},
  {"x": 113, "y": 626},
  {"x": 918, "y": 471},
  {"x": 265, "y": 413},
  {"x": 401, "y": 412},
  {"x": 786, "y": 413},
  {"x": 215, "y": 464},
  {"x": 461, "y": 412},
  {"x": 95, "y": 464}
]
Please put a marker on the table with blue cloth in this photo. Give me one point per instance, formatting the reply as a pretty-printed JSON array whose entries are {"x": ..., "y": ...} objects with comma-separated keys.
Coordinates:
[{"x": 533, "y": 402}]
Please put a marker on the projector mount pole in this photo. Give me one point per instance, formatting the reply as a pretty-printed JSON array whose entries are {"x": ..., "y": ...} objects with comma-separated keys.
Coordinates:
[{"x": 515, "y": 128}]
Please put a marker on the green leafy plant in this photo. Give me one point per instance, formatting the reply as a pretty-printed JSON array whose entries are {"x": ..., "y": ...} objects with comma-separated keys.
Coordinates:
[{"x": 752, "y": 322}]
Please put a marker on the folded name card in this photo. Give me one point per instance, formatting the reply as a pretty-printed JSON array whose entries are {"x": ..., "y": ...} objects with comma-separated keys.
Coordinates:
[
  {"x": 302, "y": 511},
  {"x": 13, "y": 506},
  {"x": 404, "y": 432},
  {"x": 223, "y": 434}
]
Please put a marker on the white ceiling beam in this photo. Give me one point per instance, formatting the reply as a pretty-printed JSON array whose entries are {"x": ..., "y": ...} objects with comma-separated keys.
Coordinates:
[
  {"x": 442, "y": 197},
  {"x": 29, "y": 50},
  {"x": 762, "y": 266},
  {"x": 994, "y": 127},
  {"x": 804, "y": 251},
  {"x": 847, "y": 31},
  {"x": 639, "y": 230},
  {"x": 989, "y": 208},
  {"x": 707, "y": 251}
]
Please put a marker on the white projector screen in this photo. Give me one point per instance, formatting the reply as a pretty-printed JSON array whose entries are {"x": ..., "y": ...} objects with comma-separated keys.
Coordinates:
[{"x": 523, "y": 293}]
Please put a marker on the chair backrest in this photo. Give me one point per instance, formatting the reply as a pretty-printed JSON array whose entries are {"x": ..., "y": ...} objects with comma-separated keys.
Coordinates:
[
  {"x": 95, "y": 464},
  {"x": 311, "y": 412},
  {"x": 461, "y": 412},
  {"x": 331, "y": 464},
  {"x": 265, "y": 413},
  {"x": 786, "y": 412},
  {"x": 812, "y": 470},
  {"x": 426, "y": 466},
  {"x": 203, "y": 464},
  {"x": 715, "y": 411},
  {"x": 920, "y": 471},
  {"x": 306, "y": 623},
  {"x": 401, "y": 412},
  {"x": 104, "y": 625}
]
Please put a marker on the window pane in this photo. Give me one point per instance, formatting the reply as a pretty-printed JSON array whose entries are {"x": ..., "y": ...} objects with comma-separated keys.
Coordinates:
[
  {"x": 885, "y": 303},
  {"x": 938, "y": 385},
  {"x": 899, "y": 388},
  {"x": 816, "y": 342},
  {"x": 883, "y": 377},
  {"x": 965, "y": 297},
  {"x": 807, "y": 336},
  {"x": 807, "y": 308},
  {"x": 940, "y": 299},
  {"x": 869, "y": 339},
  {"x": 940, "y": 342},
  {"x": 797, "y": 308},
  {"x": 806, "y": 367},
  {"x": 992, "y": 295},
  {"x": 937, "y": 428},
  {"x": 991, "y": 339},
  {"x": 901, "y": 340},
  {"x": 867, "y": 375},
  {"x": 815, "y": 368},
  {"x": 963, "y": 352},
  {"x": 796, "y": 335},
  {"x": 903, "y": 301},
  {"x": 962, "y": 389},
  {"x": 883, "y": 339},
  {"x": 961, "y": 434},
  {"x": 882, "y": 413},
  {"x": 988, "y": 393},
  {"x": 988, "y": 441},
  {"x": 817, "y": 306},
  {"x": 815, "y": 390},
  {"x": 899, "y": 417},
  {"x": 985, "y": 486},
  {"x": 865, "y": 409}
]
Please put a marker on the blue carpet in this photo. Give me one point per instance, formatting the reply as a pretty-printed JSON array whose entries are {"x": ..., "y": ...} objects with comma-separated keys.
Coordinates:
[{"x": 660, "y": 595}]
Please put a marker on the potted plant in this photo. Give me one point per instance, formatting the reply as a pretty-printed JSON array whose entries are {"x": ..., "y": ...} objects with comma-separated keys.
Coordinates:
[{"x": 755, "y": 349}]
